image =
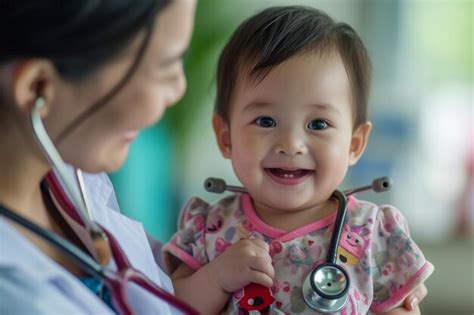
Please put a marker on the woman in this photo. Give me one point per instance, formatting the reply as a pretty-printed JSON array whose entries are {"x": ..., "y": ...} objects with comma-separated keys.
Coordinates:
[
  {"x": 105, "y": 70},
  {"x": 102, "y": 71}
]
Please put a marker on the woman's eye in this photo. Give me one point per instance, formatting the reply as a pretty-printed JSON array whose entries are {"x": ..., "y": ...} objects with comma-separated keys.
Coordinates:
[
  {"x": 317, "y": 124},
  {"x": 265, "y": 122}
]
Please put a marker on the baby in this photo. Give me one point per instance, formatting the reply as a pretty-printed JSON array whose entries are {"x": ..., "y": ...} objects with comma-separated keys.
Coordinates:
[{"x": 291, "y": 115}]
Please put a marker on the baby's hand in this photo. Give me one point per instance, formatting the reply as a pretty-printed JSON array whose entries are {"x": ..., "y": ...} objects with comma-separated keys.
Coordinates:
[{"x": 242, "y": 263}]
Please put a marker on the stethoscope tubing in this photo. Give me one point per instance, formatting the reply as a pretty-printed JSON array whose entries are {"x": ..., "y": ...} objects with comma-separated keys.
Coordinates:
[
  {"x": 55, "y": 160},
  {"x": 84, "y": 261},
  {"x": 336, "y": 235}
]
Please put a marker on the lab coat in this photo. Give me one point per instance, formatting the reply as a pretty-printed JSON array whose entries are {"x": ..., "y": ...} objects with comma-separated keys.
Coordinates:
[{"x": 32, "y": 283}]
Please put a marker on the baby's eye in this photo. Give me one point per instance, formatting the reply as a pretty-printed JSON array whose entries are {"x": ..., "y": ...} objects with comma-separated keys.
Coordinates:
[
  {"x": 317, "y": 124},
  {"x": 265, "y": 122}
]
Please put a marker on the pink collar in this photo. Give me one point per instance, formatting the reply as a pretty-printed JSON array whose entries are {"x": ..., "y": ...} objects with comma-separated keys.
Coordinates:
[{"x": 282, "y": 235}]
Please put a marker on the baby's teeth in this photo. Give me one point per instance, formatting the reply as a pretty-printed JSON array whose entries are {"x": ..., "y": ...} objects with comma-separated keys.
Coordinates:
[{"x": 288, "y": 175}]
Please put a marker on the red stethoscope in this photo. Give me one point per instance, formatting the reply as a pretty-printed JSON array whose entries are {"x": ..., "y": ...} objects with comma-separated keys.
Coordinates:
[{"x": 72, "y": 204}]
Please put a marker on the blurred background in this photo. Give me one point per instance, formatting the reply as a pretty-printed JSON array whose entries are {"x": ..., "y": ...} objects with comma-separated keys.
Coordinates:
[{"x": 421, "y": 106}]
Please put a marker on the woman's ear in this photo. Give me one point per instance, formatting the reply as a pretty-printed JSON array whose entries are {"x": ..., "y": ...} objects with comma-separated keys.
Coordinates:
[
  {"x": 360, "y": 138},
  {"x": 32, "y": 79},
  {"x": 222, "y": 132}
]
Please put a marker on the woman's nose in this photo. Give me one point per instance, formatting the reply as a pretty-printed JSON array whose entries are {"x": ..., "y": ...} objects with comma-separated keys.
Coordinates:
[{"x": 176, "y": 89}]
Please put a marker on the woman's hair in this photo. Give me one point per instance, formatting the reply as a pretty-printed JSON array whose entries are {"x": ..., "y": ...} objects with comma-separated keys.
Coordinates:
[
  {"x": 77, "y": 36},
  {"x": 276, "y": 34}
]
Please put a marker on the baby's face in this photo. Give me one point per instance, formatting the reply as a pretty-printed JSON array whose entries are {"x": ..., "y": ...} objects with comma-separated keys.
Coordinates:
[{"x": 290, "y": 135}]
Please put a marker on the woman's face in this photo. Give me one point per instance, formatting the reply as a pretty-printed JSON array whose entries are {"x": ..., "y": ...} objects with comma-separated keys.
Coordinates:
[{"x": 101, "y": 141}]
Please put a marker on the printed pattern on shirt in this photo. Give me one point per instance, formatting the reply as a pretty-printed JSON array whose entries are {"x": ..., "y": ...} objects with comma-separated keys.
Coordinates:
[{"x": 383, "y": 262}]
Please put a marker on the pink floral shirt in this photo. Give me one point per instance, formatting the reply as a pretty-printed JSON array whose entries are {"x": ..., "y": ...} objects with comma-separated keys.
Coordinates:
[{"x": 383, "y": 262}]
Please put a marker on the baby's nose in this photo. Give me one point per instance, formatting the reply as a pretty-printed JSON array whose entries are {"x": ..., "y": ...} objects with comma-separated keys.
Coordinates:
[{"x": 291, "y": 147}]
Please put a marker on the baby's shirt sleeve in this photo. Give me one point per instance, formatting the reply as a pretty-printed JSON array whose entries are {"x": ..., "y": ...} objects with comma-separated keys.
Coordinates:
[
  {"x": 398, "y": 265},
  {"x": 188, "y": 244}
]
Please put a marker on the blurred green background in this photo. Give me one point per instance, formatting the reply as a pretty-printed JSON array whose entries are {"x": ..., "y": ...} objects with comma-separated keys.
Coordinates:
[{"x": 421, "y": 106}]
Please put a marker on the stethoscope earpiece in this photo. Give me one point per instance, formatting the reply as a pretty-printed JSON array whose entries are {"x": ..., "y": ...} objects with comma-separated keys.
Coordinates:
[
  {"x": 215, "y": 185},
  {"x": 382, "y": 184}
]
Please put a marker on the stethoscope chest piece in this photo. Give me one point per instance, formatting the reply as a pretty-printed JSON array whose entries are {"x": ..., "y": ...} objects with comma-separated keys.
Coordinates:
[{"x": 325, "y": 288}]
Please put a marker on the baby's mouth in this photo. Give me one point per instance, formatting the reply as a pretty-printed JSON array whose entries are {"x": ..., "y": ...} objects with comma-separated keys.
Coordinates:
[
  {"x": 284, "y": 173},
  {"x": 288, "y": 177}
]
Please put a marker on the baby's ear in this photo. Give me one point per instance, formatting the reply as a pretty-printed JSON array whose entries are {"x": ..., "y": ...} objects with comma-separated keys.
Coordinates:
[
  {"x": 360, "y": 138},
  {"x": 222, "y": 132}
]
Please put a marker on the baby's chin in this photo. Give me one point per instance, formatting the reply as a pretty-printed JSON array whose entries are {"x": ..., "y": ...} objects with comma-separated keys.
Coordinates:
[{"x": 284, "y": 204}]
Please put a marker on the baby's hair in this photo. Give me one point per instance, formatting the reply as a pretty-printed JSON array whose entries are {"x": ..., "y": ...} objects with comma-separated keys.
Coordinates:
[{"x": 276, "y": 34}]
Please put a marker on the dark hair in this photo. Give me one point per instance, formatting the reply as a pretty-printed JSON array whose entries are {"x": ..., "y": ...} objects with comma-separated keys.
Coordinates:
[
  {"x": 77, "y": 36},
  {"x": 276, "y": 34}
]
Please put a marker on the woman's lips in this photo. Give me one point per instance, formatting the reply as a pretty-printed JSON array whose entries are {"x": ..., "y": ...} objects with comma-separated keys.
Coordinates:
[{"x": 288, "y": 177}]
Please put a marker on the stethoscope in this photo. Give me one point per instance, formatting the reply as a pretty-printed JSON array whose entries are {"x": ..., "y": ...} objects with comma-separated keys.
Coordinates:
[
  {"x": 325, "y": 289},
  {"x": 102, "y": 244}
]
